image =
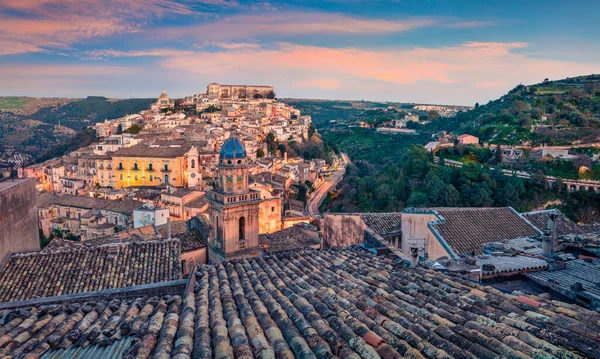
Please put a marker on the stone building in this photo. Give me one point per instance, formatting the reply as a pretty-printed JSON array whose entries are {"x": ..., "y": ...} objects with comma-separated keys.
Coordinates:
[
  {"x": 163, "y": 101},
  {"x": 18, "y": 216},
  {"x": 216, "y": 91},
  {"x": 155, "y": 164},
  {"x": 234, "y": 208}
]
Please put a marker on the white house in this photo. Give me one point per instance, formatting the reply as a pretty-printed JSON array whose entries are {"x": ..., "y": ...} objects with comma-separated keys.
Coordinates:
[{"x": 149, "y": 214}]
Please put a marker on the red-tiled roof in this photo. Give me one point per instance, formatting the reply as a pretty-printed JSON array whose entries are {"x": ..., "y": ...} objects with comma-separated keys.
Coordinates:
[
  {"x": 312, "y": 304},
  {"x": 80, "y": 269},
  {"x": 467, "y": 229}
]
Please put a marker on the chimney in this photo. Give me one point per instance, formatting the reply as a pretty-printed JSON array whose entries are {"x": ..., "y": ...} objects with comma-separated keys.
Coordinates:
[
  {"x": 552, "y": 227},
  {"x": 169, "y": 227},
  {"x": 414, "y": 256},
  {"x": 548, "y": 244}
]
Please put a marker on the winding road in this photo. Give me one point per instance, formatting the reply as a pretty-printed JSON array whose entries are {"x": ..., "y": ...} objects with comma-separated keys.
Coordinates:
[{"x": 317, "y": 197}]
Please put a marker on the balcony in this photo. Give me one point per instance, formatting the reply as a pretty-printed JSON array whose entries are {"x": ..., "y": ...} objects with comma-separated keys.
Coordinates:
[{"x": 165, "y": 170}]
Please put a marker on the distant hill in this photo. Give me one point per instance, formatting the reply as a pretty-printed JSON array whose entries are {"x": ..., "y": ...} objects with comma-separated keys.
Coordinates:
[
  {"x": 79, "y": 114},
  {"x": 30, "y": 105},
  {"x": 34, "y": 130},
  {"x": 557, "y": 112}
]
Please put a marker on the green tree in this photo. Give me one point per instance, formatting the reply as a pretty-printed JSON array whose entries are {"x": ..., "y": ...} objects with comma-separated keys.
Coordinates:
[
  {"x": 401, "y": 186},
  {"x": 133, "y": 129},
  {"x": 416, "y": 162},
  {"x": 260, "y": 153},
  {"x": 451, "y": 196},
  {"x": 417, "y": 199},
  {"x": 119, "y": 129},
  {"x": 311, "y": 130},
  {"x": 281, "y": 148},
  {"x": 498, "y": 154}
]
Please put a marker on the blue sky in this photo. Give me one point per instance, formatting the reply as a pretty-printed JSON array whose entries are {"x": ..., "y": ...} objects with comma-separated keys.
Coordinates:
[{"x": 449, "y": 52}]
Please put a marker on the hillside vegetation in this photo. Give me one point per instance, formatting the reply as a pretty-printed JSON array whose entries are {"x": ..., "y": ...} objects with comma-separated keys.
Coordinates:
[
  {"x": 327, "y": 113},
  {"x": 561, "y": 112},
  {"x": 39, "y": 134}
]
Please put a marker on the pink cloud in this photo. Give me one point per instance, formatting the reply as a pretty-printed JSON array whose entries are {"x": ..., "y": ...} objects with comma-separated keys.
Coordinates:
[
  {"x": 468, "y": 24},
  {"x": 324, "y": 83},
  {"x": 478, "y": 64},
  {"x": 478, "y": 71},
  {"x": 291, "y": 23},
  {"x": 61, "y": 23}
]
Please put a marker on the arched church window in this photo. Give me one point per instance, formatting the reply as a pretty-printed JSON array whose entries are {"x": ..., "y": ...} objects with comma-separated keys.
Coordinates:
[
  {"x": 242, "y": 234},
  {"x": 193, "y": 163}
]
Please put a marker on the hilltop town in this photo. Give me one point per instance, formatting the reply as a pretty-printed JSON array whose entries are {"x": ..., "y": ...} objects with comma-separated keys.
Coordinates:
[{"x": 161, "y": 162}]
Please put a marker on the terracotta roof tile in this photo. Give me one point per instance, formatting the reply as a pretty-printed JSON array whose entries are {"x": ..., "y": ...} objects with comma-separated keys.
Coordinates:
[
  {"x": 563, "y": 224},
  {"x": 468, "y": 229},
  {"x": 383, "y": 223},
  {"x": 297, "y": 237},
  {"x": 126, "y": 206},
  {"x": 80, "y": 269},
  {"x": 312, "y": 304}
]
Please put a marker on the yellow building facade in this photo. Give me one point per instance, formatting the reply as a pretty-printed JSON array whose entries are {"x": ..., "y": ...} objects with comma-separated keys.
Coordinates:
[{"x": 152, "y": 166}]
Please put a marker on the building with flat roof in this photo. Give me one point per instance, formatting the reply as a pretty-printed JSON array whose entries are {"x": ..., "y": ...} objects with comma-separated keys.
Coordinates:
[{"x": 150, "y": 215}]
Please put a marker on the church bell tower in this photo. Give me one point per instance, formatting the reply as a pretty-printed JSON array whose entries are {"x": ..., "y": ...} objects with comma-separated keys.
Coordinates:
[{"x": 233, "y": 207}]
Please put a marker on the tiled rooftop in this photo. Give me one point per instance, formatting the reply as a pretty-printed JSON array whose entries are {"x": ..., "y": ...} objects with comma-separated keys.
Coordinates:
[
  {"x": 297, "y": 237},
  {"x": 126, "y": 206},
  {"x": 468, "y": 229},
  {"x": 190, "y": 240},
  {"x": 563, "y": 224},
  {"x": 143, "y": 150},
  {"x": 383, "y": 223},
  {"x": 55, "y": 272},
  {"x": 586, "y": 273},
  {"x": 311, "y": 304},
  {"x": 508, "y": 264}
]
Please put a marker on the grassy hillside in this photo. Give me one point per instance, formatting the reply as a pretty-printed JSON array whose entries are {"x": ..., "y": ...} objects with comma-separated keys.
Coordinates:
[
  {"x": 30, "y": 105},
  {"x": 553, "y": 112}
]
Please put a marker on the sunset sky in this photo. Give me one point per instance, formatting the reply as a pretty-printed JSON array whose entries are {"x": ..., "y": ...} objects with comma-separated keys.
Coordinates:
[{"x": 447, "y": 52}]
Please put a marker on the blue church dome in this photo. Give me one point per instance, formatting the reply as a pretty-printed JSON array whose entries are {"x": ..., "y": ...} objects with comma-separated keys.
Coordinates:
[{"x": 232, "y": 148}]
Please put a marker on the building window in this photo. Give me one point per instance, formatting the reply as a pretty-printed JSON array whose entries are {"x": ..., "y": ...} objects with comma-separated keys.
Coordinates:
[
  {"x": 121, "y": 166},
  {"x": 135, "y": 166},
  {"x": 272, "y": 209},
  {"x": 184, "y": 267},
  {"x": 150, "y": 168},
  {"x": 121, "y": 176},
  {"x": 193, "y": 163},
  {"x": 150, "y": 178},
  {"x": 135, "y": 177},
  {"x": 242, "y": 234},
  {"x": 166, "y": 166},
  {"x": 166, "y": 178}
]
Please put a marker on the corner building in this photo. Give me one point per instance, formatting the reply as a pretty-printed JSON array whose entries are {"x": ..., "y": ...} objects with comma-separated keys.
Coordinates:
[{"x": 234, "y": 208}]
